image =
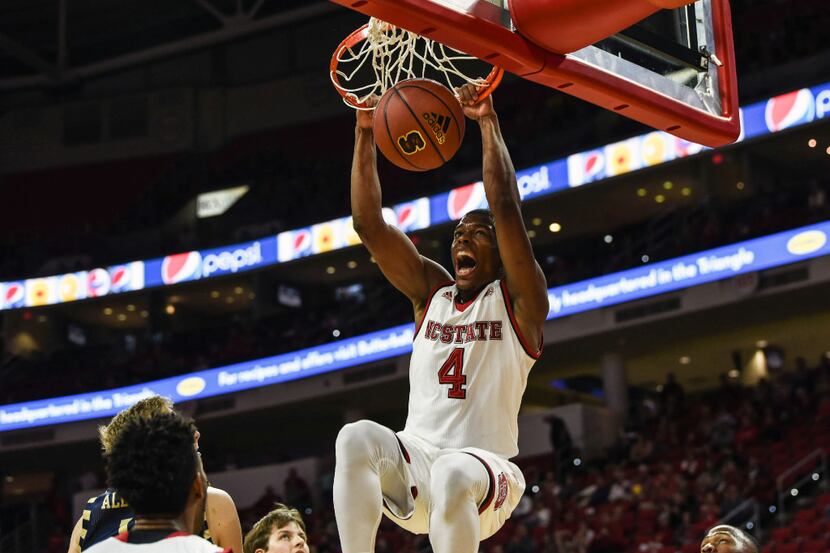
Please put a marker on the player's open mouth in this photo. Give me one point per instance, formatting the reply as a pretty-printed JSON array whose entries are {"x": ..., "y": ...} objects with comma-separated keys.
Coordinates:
[{"x": 464, "y": 264}]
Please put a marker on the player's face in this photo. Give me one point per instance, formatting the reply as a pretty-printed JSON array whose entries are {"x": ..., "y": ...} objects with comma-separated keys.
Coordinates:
[
  {"x": 720, "y": 542},
  {"x": 288, "y": 539},
  {"x": 475, "y": 255}
]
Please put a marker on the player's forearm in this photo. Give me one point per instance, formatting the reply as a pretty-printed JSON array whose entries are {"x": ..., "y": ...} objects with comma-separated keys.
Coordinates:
[
  {"x": 498, "y": 173},
  {"x": 365, "y": 188}
]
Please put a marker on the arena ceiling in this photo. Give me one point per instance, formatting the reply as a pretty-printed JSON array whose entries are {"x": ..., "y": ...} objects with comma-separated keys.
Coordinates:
[{"x": 57, "y": 43}]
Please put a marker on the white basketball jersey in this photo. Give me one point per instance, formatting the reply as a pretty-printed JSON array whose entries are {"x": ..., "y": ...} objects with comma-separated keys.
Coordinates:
[
  {"x": 468, "y": 372},
  {"x": 179, "y": 542}
]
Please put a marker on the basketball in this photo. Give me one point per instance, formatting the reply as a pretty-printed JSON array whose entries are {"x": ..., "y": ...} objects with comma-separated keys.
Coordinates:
[{"x": 418, "y": 124}]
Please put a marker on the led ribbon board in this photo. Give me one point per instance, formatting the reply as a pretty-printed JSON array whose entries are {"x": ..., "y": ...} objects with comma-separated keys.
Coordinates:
[
  {"x": 646, "y": 281},
  {"x": 793, "y": 109}
]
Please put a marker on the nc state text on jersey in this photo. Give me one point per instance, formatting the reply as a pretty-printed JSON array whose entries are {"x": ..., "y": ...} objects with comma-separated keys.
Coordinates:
[{"x": 461, "y": 334}]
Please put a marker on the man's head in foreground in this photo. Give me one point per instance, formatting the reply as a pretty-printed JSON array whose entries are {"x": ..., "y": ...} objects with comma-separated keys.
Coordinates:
[
  {"x": 154, "y": 465},
  {"x": 728, "y": 539},
  {"x": 280, "y": 531}
]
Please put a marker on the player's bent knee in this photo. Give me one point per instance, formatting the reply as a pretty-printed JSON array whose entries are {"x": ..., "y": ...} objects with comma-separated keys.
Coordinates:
[
  {"x": 358, "y": 439},
  {"x": 457, "y": 477}
]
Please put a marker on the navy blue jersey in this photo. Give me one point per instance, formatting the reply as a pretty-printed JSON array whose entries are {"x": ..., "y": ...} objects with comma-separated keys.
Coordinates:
[{"x": 108, "y": 515}]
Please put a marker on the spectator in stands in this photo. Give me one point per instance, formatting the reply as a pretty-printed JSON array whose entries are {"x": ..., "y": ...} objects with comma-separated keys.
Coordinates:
[
  {"x": 672, "y": 395},
  {"x": 562, "y": 444},
  {"x": 520, "y": 542},
  {"x": 280, "y": 531},
  {"x": 296, "y": 489},
  {"x": 221, "y": 524},
  {"x": 155, "y": 466},
  {"x": 728, "y": 539}
]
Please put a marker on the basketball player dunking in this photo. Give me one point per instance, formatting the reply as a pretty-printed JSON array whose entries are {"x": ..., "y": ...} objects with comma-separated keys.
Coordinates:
[{"x": 447, "y": 473}]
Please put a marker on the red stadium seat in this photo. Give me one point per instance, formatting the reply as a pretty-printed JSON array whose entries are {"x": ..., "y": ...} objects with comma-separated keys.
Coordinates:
[
  {"x": 805, "y": 515},
  {"x": 769, "y": 548},
  {"x": 809, "y": 529},
  {"x": 815, "y": 546},
  {"x": 782, "y": 535},
  {"x": 787, "y": 548},
  {"x": 691, "y": 547}
]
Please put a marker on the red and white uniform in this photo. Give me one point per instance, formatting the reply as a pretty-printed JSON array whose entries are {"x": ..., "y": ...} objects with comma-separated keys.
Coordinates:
[
  {"x": 468, "y": 372},
  {"x": 178, "y": 542},
  {"x": 467, "y": 375}
]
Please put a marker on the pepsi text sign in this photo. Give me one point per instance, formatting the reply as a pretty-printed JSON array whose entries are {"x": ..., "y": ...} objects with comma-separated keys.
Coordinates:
[
  {"x": 776, "y": 114},
  {"x": 195, "y": 265}
]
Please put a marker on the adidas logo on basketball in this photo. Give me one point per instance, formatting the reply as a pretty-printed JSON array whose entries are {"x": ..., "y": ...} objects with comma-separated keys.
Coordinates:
[{"x": 439, "y": 125}]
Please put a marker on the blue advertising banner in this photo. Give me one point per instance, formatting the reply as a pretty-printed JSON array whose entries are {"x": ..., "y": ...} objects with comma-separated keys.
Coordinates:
[
  {"x": 195, "y": 265},
  {"x": 690, "y": 270},
  {"x": 349, "y": 352},
  {"x": 785, "y": 111},
  {"x": 649, "y": 280}
]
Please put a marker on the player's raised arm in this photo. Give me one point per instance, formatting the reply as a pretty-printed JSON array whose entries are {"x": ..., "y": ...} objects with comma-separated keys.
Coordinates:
[
  {"x": 525, "y": 280},
  {"x": 396, "y": 255}
]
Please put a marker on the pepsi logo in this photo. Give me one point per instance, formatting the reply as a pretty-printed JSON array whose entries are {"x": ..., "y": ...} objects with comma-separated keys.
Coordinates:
[
  {"x": 13, "y": 294},
  {"x": 586, "y": 167},
  {"x": 407, "y": 215},
  {"x": 464, "y": 199},
  {"x": 593, "y": 165},
  {"x": 98, "y": 283},
  {"x": 293, "y": 244},
  {"x": 787, "y": 110},
  {"x": 302, "y": 241},
  {"x": 120, "y": 278},
  {"x": 181, "y": 267}
]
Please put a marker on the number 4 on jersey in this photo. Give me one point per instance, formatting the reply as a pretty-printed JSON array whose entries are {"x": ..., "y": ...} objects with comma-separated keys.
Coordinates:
[{"x": 452, "y": 373}]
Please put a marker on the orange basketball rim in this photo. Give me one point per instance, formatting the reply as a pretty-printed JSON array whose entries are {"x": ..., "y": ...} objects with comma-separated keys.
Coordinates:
[{"x": 378, "y": 55}]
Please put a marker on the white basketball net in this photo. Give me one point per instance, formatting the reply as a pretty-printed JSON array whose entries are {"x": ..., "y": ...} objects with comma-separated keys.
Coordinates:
[{"x": 395, "y": 54}]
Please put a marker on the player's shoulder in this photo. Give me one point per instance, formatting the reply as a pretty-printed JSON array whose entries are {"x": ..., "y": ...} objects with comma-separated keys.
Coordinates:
[
  {"x": 218, "y": 494},
  {"x": 198, "y": 544},
  {"x": 179, "y": 542}
]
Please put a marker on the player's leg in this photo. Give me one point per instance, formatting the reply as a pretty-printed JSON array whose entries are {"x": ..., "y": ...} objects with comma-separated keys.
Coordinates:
[
  {"x": 368, "y": 468},
  {"x": 459, "y": 483}
]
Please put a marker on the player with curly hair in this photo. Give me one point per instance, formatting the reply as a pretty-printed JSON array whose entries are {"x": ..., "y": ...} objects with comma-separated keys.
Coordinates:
[
  {"x": 156, "y": 468},
  {"x": 109, "y": 514}
]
